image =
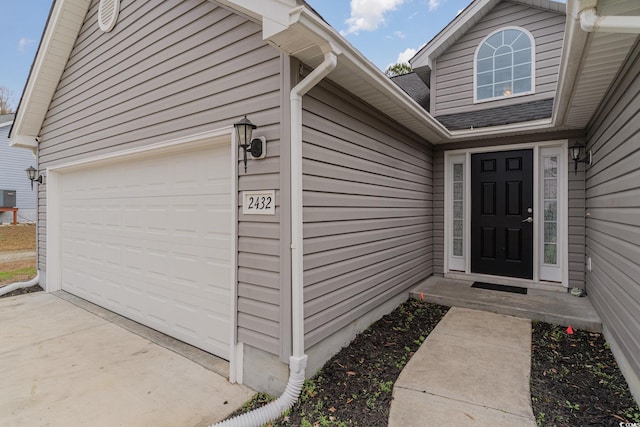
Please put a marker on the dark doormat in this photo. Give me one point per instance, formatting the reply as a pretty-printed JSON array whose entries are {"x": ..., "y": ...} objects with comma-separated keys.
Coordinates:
[{"x": 501, "y": 288}]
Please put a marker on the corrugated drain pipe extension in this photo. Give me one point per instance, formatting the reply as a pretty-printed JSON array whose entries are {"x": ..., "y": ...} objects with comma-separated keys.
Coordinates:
[
  {"x": 20, "y": 285},
  {"x": 298, "y": 360}
]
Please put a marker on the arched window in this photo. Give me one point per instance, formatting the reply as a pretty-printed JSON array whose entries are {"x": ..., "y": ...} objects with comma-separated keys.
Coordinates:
[{"x": 504, "y": 64}]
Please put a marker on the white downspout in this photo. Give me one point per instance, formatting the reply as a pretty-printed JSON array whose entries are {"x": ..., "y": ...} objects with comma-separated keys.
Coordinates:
[
  {"x": 297, "y": 360},
  {"x": 591, "y": 22},
  {"x": 297, "y": 282}
]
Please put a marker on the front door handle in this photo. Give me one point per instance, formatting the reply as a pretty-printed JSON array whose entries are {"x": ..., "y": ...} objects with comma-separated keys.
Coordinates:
[{"x": 529, "y": 220}]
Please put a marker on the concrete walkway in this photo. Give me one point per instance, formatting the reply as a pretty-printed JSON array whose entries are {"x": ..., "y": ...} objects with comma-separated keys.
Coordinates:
[
  {"x": 472, "y": 370},
  {"x": 63, "y": 366}
]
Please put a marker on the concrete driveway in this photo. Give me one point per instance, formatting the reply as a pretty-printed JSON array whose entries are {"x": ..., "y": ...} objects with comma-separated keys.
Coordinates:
[{"x": 64, "y": 366}]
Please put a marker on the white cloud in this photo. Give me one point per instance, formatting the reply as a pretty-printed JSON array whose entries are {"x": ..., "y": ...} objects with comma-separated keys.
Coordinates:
[
  {"x": 407, "y": 55},
  {"x": 404, "y": 56},
  {"x": 367, "y": 15},
  {"x": 399, "y": 34},
  {"x": 434, "y": 4},
  {"x": 23, "y": 43}
]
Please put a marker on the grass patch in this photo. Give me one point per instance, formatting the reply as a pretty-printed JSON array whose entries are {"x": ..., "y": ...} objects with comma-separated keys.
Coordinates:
[
  {"x": 13, "y": 274},
  {"x": 17, "y": 271}
]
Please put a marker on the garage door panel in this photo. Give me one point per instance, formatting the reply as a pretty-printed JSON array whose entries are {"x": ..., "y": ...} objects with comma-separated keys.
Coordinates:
[{"x": 151, "y": 239}]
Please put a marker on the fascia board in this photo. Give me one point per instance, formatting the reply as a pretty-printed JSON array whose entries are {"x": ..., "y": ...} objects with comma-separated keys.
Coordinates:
[
  {"x": 24, "y": 141},
  {"x": 355, "y": 61},
  {"x": 426, "y": 55},
  {"x": 72, "y": 12},
  {"x": 491, "y": 131},
  {"x": 571, "y": 61}
]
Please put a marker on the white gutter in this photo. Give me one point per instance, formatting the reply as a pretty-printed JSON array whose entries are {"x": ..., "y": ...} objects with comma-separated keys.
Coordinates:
[
  {"x": 591, "y": 22},
  {"x": 297, "y": 360}
]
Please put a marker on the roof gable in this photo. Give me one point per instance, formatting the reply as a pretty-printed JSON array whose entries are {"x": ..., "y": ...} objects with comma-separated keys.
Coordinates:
[{"x": 462, "y": 23}]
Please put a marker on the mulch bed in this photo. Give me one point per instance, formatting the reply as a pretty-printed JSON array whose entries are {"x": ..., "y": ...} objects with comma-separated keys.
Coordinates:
[
  {"x": 575, "y": 381},
  {"x": 22, "y": 291},
  {"x": 354, "y": 387}
]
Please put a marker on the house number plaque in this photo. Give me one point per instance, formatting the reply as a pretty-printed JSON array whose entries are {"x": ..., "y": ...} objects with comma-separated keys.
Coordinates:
[{"x": 261, "y": 202}]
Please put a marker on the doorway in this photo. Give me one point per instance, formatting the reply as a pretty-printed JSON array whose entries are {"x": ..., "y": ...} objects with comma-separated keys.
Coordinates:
[{"x": 502, "y": 213}]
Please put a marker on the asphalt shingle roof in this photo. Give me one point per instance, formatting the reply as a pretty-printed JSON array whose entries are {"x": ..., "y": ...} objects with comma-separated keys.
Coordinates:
[
  {"x": 524, "y": 112},
  {"x": 414, "y": 87}
]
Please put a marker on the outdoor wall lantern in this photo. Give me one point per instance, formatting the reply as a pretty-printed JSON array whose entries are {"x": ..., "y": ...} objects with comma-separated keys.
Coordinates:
[
  {"x": 576, "y": 155},
  {"x": 254, "y": 146},
  {"x": 31, "y": 174}
]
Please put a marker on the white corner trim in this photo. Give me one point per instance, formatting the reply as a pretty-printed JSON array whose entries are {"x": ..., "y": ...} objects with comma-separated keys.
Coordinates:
[
  {"x": 236, "y": 352},
  {"x": 53, "y": 233}
]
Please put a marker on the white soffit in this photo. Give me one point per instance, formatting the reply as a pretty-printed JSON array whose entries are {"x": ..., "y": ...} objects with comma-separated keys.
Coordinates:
[
  {"x": 59, "y": 37},
  {"x": 604, "y": 55}
]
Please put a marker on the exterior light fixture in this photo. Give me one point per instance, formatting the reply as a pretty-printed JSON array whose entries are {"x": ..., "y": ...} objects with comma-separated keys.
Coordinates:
[
  {"x": 576, "y": 155},
  {"x": 31, "y": 174},
  {"x": 254, "y": 146}
]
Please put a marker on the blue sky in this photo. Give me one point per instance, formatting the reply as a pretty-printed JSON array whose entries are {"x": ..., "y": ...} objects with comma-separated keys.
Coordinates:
[{"x": 383, "y": 30}]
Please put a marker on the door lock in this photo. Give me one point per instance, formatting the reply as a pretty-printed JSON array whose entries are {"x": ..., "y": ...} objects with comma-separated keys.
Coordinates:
[{"x": 529, "y": 220}]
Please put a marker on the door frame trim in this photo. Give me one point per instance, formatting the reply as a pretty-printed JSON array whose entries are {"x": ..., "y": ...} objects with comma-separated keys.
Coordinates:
[
  {"x": 53, "y": 181},
  {"x": 562, "y": 233}
]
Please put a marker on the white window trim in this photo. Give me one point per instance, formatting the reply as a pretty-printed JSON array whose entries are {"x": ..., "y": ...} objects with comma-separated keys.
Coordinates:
[
  {"x": 554, "y": 272},
  {"x": 533, "y": 67},
  {"x": 455, "y": 262},
  {"x": 537, "y": 282}
]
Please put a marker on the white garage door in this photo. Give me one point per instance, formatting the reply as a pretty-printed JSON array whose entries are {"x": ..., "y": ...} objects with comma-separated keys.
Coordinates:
[{"x": 150, "y": 238}]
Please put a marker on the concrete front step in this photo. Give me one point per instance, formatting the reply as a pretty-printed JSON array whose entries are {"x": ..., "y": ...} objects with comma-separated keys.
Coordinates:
[{"x": 547, "y": 306}]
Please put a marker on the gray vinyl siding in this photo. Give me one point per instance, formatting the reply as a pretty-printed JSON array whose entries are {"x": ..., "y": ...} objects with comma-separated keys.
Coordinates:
[
  {"x": 367, "y": 210},
  {"x": 13, "y": 162},
  {"x": 613, "y": 211},
  {"x": 168, "y": 70},
  {"x": 576, "y": 204},
  {"x": 453, "y": 74}
]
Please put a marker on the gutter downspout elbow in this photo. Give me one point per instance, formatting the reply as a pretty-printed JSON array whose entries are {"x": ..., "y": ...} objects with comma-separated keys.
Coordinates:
[
  {"x": 591, "y": 22},
  {"x": 297, "y": 360}
]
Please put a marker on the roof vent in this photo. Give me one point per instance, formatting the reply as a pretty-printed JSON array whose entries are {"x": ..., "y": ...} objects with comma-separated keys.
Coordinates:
[{"x": 108, "y": 14}]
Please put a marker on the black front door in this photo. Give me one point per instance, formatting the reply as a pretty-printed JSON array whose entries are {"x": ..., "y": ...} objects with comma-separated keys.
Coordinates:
[{"x": 501, "y": 208}]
